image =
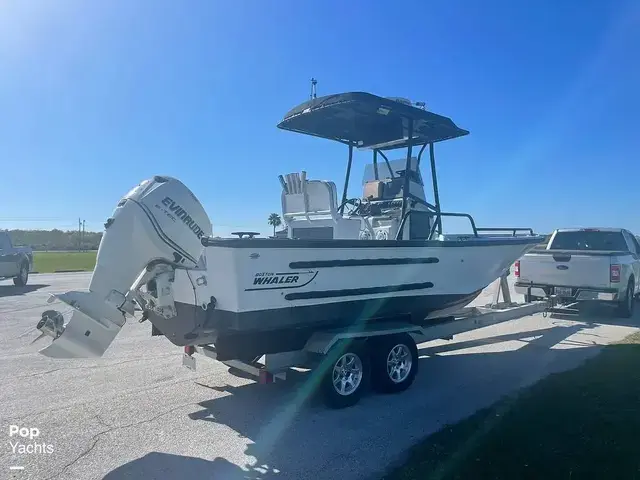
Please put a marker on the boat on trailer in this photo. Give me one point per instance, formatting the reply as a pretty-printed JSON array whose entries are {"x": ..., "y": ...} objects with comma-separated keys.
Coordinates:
[{"x": 372, "y": 260}]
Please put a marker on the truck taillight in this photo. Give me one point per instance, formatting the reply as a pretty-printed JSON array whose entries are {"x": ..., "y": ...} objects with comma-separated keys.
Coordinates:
[
  {"x": 615, "y": 273},
  {"x": 189, "y": 349},
  {"x": 516, "y": 269}
]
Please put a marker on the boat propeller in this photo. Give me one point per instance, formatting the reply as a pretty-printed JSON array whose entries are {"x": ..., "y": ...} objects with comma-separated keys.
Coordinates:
[{"x": 51, "y": 324}]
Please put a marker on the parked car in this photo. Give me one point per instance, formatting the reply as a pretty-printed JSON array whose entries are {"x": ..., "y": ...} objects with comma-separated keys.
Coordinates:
[
  {"x": 15, "y": 262},
  {"x": 584, "y": 265}
]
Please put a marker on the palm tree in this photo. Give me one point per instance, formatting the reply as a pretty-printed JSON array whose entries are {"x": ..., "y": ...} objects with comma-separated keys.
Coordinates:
[{"x": 275, "y": 221}]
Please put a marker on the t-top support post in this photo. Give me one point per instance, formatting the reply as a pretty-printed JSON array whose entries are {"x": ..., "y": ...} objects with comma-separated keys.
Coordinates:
[
  {"x": 420, "y": 156},
  {"x": 407, "y": 169},
  {"x": 375, "y": 164},
  {"x": 346, "y": 180},
  {"x": 386, "y": 161},
  {"x": 434, "y": 179}
]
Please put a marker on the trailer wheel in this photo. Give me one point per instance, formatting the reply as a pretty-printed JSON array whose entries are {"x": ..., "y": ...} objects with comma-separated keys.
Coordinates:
[
  {"x": 394, "y": 363},
  {"x": 347, "y": 372}
]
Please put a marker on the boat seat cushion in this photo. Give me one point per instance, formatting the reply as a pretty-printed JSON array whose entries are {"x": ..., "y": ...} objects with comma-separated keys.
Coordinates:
[
  {"x": 321, "y": 196},
  {"x": 313, "y": 204}
]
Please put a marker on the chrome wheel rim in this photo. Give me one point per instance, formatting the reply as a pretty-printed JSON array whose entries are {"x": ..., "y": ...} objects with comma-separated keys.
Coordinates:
[
  {"x": 23, "y": 274},
  {"x": 347, "y": 374},
  {"x": 399, "y": 363}
]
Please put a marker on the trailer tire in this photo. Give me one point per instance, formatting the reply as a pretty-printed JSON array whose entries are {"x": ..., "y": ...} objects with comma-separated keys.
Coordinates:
[
  {"x": 346, "y": 374},
  {"x": 394, "y": 363}
]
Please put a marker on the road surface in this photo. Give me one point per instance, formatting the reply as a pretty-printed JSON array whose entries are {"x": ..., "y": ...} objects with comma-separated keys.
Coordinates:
[{"x": 137, "y": 413}]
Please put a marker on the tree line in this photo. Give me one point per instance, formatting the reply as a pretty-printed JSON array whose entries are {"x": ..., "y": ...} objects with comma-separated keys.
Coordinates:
[{"x": 56, "y": 239}]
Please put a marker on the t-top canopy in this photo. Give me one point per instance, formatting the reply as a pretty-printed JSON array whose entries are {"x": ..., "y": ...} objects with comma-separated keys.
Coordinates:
[{"x": 368, "y": 121}]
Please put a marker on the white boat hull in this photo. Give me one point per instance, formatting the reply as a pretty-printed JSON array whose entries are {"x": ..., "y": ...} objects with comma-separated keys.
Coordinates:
[{"x": 254, "y": 287}]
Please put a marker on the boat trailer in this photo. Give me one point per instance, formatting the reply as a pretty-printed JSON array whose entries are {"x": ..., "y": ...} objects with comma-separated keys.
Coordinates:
[{"x": 385, "y": 352}]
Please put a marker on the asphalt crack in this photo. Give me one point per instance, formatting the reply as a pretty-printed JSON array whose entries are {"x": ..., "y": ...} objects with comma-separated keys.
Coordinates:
[
  {"x": 146, "y": 389},
  {"x": 96, "y": 438},
  {"x": 84, "y": 367}
]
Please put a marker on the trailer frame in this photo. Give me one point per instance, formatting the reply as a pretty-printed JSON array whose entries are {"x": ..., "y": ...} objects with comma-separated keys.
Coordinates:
[{"x": 274, "y": 367}]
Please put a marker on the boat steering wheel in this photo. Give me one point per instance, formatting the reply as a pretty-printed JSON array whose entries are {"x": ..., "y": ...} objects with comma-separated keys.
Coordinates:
[{"x": 353, "y": 203}]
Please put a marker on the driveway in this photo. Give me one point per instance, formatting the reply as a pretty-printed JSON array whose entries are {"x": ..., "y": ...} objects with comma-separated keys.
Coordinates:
[{"x": 137, "y": 413}]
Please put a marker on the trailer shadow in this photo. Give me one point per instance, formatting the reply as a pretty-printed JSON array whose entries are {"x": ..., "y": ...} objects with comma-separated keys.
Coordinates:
[
  {"x": 290, "y": 430},
  {"x": 600, "y": 314},
  {"x": 12, "y": 290}
]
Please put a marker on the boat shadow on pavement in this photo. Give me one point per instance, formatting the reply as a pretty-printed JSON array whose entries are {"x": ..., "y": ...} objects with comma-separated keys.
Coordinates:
[
  {"x": 156, "y": 465},
  {"x": 292, "y": 435}
]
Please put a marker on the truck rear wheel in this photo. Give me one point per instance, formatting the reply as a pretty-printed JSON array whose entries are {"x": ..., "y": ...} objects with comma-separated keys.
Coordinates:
[
  {"x": 23, "y": 275},
  {"x": 394, "y": 363},
  {"x": 347, "y": 372},
  {"x": 626, "y": 306}
]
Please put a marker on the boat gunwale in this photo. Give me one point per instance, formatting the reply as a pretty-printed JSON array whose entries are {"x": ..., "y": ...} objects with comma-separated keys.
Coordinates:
[{"x": 338, "y": 243}]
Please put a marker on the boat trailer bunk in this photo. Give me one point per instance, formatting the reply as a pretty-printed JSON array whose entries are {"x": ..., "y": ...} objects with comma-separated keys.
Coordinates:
[{"x": 386, "y": 354}]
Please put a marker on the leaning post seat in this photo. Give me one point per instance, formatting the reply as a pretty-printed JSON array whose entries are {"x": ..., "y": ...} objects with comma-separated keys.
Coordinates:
[{"x": 310, "y": 209}]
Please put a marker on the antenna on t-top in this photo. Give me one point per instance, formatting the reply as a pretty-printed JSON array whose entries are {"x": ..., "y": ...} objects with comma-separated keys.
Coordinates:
[{"x": 314, "y": 83}]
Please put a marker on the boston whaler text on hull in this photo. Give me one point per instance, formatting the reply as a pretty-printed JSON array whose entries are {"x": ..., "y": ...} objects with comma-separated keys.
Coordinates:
[{"x": 370, "y": 260}]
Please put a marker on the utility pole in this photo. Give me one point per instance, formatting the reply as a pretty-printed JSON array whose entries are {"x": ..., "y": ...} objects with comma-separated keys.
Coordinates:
[
  {"x": 79, "y": 232},
  {"x": 83, "y": 231}
]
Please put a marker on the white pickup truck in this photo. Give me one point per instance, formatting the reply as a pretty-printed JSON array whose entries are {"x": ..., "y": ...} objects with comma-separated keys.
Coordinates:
[{"x": 583, "y": 265}]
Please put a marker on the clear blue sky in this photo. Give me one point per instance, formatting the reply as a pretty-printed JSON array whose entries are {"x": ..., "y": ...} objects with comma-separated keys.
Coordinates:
[{"x": 96, "y": 96}]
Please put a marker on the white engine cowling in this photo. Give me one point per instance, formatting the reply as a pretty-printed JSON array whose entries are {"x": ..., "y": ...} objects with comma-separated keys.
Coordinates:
[{"x": 159, "y": 222}]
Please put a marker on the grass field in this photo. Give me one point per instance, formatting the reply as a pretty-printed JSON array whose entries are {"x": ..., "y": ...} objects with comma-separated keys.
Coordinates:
[
  {"x": 49, "y": 262},
  {"x": 578, "y": 424}
]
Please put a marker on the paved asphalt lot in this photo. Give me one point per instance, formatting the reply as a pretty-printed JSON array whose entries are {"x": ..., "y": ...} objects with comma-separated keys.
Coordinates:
[{"x": 137, "y": 413}]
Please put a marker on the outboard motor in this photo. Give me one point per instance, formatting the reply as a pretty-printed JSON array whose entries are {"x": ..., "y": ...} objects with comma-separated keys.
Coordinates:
[{"x": 155, "y": 229}]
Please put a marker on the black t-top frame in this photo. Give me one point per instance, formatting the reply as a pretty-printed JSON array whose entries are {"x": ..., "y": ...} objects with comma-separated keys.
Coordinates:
[{"x": 369, "y": 122}]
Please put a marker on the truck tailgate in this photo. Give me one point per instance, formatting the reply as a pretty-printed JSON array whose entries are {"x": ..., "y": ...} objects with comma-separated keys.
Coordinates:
[{"x": 566, "y": 269}]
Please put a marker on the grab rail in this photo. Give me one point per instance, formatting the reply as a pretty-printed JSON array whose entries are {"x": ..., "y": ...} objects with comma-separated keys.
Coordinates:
[
  {"x": 506, "y": 229},
  {"x": 452, "y": 214},
  {"x": 476, "y": 230},
  {"x": 435, "y": 223}
]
